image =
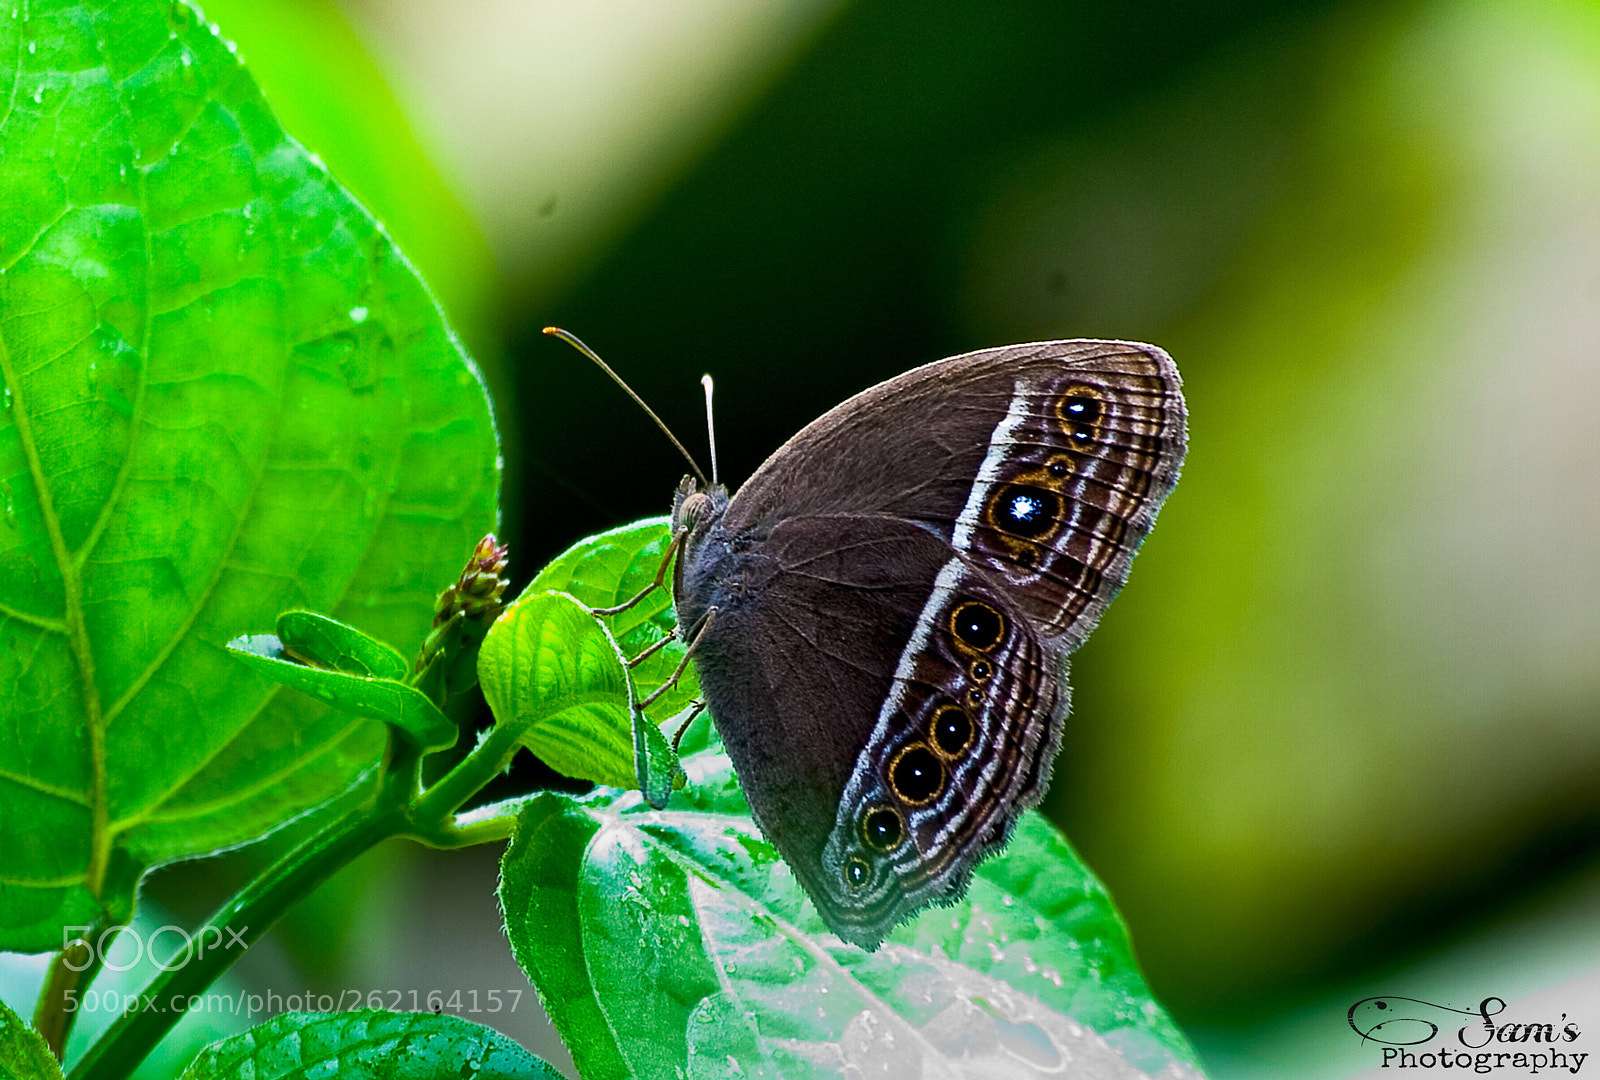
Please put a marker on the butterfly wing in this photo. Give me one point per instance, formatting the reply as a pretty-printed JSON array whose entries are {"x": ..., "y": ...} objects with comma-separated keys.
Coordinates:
[{"x": 897, "y": 590}]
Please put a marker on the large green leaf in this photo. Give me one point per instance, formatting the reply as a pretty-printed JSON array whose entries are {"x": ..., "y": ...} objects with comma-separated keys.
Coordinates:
[
  {"x": 687, "y": 945},
  {"x": 368, "y": 1044},
  {"x": 226, "y": 394}
]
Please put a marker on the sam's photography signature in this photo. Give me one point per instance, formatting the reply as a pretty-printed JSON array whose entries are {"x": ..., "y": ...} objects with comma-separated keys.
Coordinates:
[{"x": 1483, "y": 1040}]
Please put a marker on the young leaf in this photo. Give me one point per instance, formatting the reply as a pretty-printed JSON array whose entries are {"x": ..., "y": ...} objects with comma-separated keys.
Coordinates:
[
  {"x": 23, "y": 1054},
  {"x": 225, "y": 395},
  {"x": 329, "y": 643},
  {"x": 655, "y": 763},
  {"x": 611, "y": 568},
  {"x": 368, "y": 1044},
  {"x": 384, "y": 700},
  {"x": 696, "y": 948},
  {"x": 550, "y": 669}
]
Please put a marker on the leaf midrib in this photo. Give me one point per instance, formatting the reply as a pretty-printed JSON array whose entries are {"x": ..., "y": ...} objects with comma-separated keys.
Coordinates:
[{"x": 77, "y": 631}]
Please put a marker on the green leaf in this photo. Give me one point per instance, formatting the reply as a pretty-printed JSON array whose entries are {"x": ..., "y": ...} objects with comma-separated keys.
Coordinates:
[
  {"x": 612, "y": 567},
  {"x": 368, "y": 1044},
  {"x": 550, "y": 670},
  {"x": 23, "y": 1053},
  {"x": 384, "y": 700},
  {"x": 541, "y": 875},
  {"x": 695, "y": 947},
  {"x": 225, "y": 395},
  {"x": 329, "y": 643}
]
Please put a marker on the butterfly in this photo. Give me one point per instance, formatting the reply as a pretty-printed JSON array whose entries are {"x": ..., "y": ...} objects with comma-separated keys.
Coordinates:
[{"x": 882, "y": 614}]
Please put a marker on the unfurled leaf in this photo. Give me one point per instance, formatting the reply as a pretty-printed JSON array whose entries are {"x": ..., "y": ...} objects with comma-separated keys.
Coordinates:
[
  {"x": 611, "y": 568},
  {"x": 384, "y": 700},
  {"x": 323, "y": 642},
  {"x": 550, "y": 669}
]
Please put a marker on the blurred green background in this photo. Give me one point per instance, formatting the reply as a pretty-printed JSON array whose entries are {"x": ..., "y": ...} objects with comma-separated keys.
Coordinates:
[{"x": 1339, "y": 736}]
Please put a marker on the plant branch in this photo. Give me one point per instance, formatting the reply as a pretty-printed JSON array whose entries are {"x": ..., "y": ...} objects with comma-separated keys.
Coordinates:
[
  {"x": 482, "y": 825},
  {"x": 237, "y": 924},
  {"x": 430, "y": 814},
  {"x": 72, "y": 969},
  {"x": 397, "y": 810}
]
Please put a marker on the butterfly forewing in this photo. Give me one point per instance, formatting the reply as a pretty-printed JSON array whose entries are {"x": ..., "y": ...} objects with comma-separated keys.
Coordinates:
[{"x": 1070, "y": 484}]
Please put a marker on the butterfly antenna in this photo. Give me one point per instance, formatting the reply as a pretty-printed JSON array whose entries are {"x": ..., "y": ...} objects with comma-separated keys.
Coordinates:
[
  {"x": 711, "y": 427},
  {"x": 572, "y": 339}
]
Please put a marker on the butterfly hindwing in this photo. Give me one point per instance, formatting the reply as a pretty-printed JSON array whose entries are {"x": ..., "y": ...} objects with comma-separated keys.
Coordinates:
[{"x": 964, "y": 742}]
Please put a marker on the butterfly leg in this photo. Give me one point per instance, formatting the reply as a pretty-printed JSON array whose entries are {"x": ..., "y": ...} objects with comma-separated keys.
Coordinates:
[
  {"x": 661, "y": 576},
  {"x": 699, "y": 635},
  {"x": 652, "y": 650},
  {"x": 677, "y": 736}
]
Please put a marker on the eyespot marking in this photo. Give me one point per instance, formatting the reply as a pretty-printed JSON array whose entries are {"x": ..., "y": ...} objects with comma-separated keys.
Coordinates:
[
  {"x": 952, "y": 731},
  {"x": 916, "y": 775},
  {"x": 1024, "y": 510},
  {"x": 977, "y": 625},
  {"x": 882, "y": 829},
  {"x": 1081, "y": 409}
]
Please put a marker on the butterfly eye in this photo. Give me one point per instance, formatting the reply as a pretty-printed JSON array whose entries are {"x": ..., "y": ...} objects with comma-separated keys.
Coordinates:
[
  {"x": 979, "y": 626},
  {"x": 916, "y": 775},
  {"x": 692, "y": 512},
  {"x": 857, "y": 873},
  {"x": 882, "y": 830}
]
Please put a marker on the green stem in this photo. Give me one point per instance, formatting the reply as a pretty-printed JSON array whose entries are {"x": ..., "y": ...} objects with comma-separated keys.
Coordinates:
[
  {"x": 432, "y": 811},
  {"x": 484, "y": 825},
  {"x": 397, "y": 810},
  {"x": 73, "y": 968},
  {"x": 237, "y": 924}
]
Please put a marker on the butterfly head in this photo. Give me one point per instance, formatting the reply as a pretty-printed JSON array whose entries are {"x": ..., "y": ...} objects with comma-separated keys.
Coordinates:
[{"x": 695, "y": 508}]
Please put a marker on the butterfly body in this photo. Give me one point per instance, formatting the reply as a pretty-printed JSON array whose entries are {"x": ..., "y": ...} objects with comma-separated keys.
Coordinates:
[{"x": 892, "y": 598}]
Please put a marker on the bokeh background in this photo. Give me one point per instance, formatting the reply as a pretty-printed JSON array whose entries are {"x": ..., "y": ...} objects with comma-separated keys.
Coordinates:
[{"x": 1341, "y": 734}]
